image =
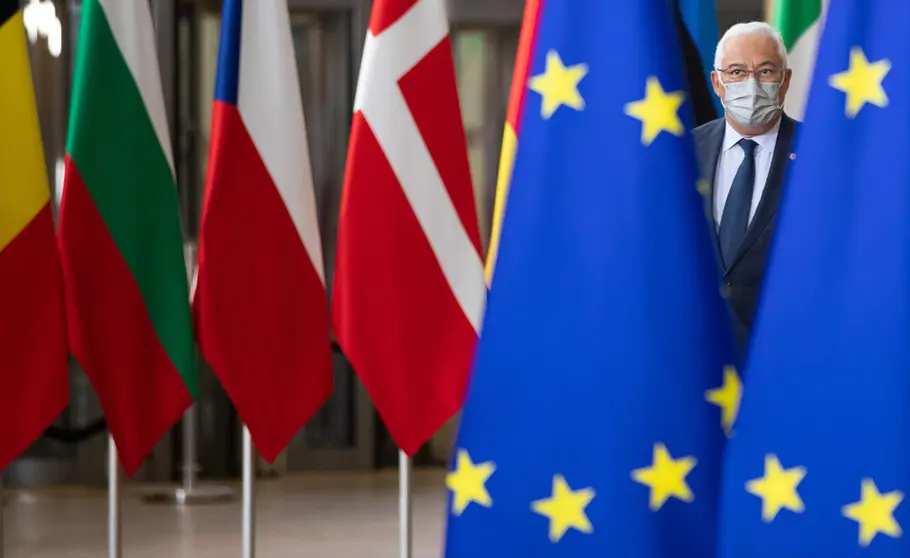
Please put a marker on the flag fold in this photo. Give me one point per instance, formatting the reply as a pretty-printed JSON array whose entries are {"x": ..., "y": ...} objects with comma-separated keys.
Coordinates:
[
  {"x": 800, "y": 23},
  {"x": 33, "y": 355},
  {"x": 594, "y": 423},
  {"x": 122, "y": 247},
  {"x": 820, "y": 462},
  {"x": 409, "y": 287},
  {"x": 698, "y": 33},
  {"x": 260, "y": 300},
  {"x": 510, "y": 134}
]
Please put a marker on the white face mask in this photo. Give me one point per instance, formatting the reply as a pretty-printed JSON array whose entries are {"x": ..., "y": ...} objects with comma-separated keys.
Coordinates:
[{"x": 752, "y": 103}]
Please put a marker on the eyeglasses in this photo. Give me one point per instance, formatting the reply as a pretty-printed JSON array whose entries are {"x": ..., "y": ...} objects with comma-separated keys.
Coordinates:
[{"x": 737, "y": 73}]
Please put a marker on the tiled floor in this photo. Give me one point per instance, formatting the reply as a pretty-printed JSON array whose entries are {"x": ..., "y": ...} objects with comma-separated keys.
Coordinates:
[{"x": 314, "y": 516}]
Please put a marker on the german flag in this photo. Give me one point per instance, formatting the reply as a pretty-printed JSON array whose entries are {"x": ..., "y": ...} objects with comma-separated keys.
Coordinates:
[
  {"x": 33, "y": 354},
  {"x": 510, "y": 134}
]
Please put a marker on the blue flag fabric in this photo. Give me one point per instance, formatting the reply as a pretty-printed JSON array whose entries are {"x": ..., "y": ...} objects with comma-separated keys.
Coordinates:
[
  {"x": 820, "y": 458},
  {"x": 700, "y": 24},
  {"x": 593, "y": 424}
]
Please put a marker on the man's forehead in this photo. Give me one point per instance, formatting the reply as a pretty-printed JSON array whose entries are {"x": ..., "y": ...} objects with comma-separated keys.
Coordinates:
[
  {"x": 763, "y": 62},
  {"x": 751, "y": 49}
]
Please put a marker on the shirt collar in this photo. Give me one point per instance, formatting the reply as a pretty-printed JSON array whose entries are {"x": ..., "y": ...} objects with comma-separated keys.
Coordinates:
[{"x": 766, "y": 141}]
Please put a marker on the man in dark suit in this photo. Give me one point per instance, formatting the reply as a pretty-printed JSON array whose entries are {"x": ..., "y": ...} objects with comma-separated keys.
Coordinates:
[{"x": 743, "y": 158}]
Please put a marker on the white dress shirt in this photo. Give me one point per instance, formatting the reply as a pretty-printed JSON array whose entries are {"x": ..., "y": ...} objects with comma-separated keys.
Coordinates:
[{"x": 731, "y": 157}]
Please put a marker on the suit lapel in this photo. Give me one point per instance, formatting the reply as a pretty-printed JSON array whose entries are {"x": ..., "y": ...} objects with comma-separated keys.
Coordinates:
[
  {"x": 709, "y": 148},
  {"x": 767, "y": 207}
]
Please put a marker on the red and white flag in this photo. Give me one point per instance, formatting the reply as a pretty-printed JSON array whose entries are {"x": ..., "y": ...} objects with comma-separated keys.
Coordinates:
[
  {"x": 260, "y": 301},
  {"x": 409, "y": 287}
]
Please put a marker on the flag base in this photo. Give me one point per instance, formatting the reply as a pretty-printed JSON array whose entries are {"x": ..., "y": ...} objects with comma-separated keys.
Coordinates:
[
  {"x": 189, "y": 493},
  {"x": 199, "y": 495}
]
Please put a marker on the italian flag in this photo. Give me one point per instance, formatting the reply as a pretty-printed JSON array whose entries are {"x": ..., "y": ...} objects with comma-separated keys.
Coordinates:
[
  {"x": 800, "y": 24},
  {"x": 126, "y": 282}
]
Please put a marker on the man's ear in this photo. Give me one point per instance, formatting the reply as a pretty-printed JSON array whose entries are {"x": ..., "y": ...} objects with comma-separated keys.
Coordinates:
[
  {"x": 785, "y": 85},
  {"x": 717, "y": 85}
]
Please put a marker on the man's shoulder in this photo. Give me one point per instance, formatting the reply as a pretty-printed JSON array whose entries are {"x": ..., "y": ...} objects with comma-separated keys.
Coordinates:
[
  {"x": 786, "y": 121},
  {"x": 708, "y": 128},
  {"x": 708, "y": 135}
]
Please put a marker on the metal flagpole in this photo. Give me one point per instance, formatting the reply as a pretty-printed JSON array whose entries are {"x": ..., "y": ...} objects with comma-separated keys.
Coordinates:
[
  {"x": 405, "y": 506},
  {"x": 249, "y": 481},
  {"x": 189, "y": 492},
  {"x": 114, "y": 543}
]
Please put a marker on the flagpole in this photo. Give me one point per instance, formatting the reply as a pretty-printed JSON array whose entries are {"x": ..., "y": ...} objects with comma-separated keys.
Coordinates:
[
  {"x": 249, "y": 480},
  {"x": 405, "y": 506},
  {"x": 189, "y": 492},
  {"x": 114, "y": 542}
]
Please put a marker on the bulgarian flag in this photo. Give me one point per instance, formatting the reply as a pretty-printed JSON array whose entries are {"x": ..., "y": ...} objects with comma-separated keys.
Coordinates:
[
  {"x": 126, "y": 282},
  {"x": 800, "y": 24},
  {"x": 510, "y": 134}
]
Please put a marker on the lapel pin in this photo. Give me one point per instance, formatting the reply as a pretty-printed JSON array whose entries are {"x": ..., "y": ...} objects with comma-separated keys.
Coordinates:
[{"x": 793, "y": 156}]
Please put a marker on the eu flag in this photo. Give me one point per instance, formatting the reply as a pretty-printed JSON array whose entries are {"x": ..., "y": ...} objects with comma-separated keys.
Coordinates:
[
  {"x": 821, "y": 458},
  {"x": 594, "y": 422}
]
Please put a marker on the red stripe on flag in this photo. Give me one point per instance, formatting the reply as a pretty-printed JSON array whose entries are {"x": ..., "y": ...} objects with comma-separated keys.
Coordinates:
[
  {"x": 523, "y": 62},
  {"x": 395, "y": 315},
  {"x": 510, "y": 138},
  {"x": 140, "y": 390},
  {"x": 388, "y": 12},
  {"x": 33, "y": 354},
  {"x": 260, "y": 306},
  {"x": 439, "y": 118}
]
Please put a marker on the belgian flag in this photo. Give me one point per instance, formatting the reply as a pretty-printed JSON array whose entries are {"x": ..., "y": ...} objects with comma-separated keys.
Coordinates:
[
  {"x": 33, "y": 355},
  {"x": 696, "y": 22}
]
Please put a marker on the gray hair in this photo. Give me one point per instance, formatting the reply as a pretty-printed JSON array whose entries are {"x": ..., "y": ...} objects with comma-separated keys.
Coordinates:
[{"x": 750, "y": 29}]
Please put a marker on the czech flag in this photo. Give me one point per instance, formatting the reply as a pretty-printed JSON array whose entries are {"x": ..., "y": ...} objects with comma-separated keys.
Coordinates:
[{"x": 260, "y": 301}]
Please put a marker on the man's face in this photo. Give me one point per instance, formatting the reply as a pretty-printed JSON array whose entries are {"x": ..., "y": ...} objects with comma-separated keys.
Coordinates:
[{"x": 750, "y": 56}]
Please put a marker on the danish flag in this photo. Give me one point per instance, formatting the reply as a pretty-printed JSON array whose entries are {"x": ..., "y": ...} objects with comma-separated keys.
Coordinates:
[{"x": 409, "y": 287}]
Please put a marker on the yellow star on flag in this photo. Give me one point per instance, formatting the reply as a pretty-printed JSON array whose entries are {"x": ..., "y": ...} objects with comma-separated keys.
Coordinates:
[
  {"x": 862, "y": 82},
  {"x": 565, "y": 508},
  {"x": 666, "y": 477},
  {"x": 875, "y": 512},
  {"x": 658, "y": 111},
  {"x": 558, "y": 85},
  {"x": 727, "y": 397},
  {"x": 468, "y": 483},
  {"x": 777, "y": 488}
]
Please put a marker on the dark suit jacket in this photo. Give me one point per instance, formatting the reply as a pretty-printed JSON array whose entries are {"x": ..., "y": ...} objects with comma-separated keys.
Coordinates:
[{"x": 742, "y": 279}]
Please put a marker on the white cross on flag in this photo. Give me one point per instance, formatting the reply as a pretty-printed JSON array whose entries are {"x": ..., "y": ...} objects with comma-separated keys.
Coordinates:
[{"x": 409, "y": 288}]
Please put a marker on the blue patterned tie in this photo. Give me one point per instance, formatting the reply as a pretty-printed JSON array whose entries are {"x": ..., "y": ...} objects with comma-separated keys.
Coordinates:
[{"x": 735, "y": 218}]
